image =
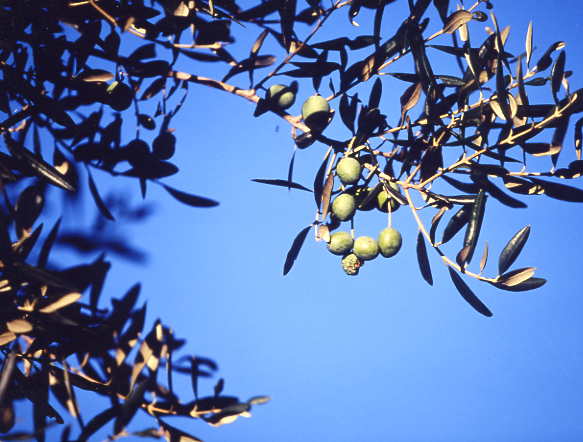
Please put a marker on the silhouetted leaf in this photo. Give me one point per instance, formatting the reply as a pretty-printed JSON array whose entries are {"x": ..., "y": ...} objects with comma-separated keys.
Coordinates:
[
  {"x": 456, "y": 223},
  {"x": 97, "y": 198},
  {"x": 38, "y": 165},
  {"x": 189, "y": 199},
  {"x": 423, "y": 260},
  {"x": 294, "y": 251},
  {"x": 560, "y": 191},
  {"x": 467, "y": 293},
  {"x": 281, "y": 183}
]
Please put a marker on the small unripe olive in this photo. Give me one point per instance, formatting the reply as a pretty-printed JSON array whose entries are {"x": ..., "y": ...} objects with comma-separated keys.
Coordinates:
[
  {"x": 340, "y": 243},
  {"x": 366, "y": 248},
  {"x": 343, "y": 206},
  {"x": 390, "y": 241},
  {"x": 384, "y": 199},
  {"x": 280, "y": 96},
  {"x": 348, "y": 170},
  {"x": 315, "y": 112}
]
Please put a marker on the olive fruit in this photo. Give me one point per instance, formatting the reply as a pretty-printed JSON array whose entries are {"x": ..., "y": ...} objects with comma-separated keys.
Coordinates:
[
  {"x": 344, "y": 206},
  {"x": 351, "y": 264},
  {"x": 164, "y": 145},
  {"x": 348, "y": 170},
  {"x": 383, "y": 199},
  {"x": 136, "y": 152},
  {"x": 390, "y": 241},
  {"x": 315, "y": 112},
  {"x": 280, "y": 96},
  {"x": 366, "y": 248},
  {"x": 119, "y": 96},
  {"x": 340, "y": 243}
]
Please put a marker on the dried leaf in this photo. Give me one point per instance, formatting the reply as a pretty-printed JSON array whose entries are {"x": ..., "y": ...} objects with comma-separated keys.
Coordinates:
[
  {"x": 62, "y": 302},
  {"x": 528, "y": 43},
  {"x": 19, "y": 326},
  {"x": 456, "y": 20},
  {"x": 516, "y": 277}
]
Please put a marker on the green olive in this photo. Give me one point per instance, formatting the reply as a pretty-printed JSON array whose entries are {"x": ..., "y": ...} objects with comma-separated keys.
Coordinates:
[
  {"x": 344, "y": 206},
  {"x": 280, "y": 96},
  {"x": 390, "y": 242},
  {"x": 348, "y": 170},
  {"x": 340, "y": 243},
  {"x": 315, "y": 112},
  {"x": 383, "y": 197},
  {"x": 366, "y": 248}
]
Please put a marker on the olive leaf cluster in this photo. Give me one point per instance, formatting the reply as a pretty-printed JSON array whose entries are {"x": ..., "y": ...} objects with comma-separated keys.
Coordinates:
[{"x": 78, "y": 76}]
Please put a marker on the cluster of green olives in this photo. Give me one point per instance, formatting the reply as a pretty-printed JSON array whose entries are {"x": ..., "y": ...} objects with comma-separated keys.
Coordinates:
[
  {"x": 355, "y": 198},
  {"x": 355, "y": 251}
]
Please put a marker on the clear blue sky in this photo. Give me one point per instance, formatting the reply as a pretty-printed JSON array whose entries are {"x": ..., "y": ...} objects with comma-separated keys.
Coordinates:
[{"x": 381, "y": 356}]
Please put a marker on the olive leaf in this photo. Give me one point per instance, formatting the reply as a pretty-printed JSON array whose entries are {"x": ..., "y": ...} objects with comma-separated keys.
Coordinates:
[
  {"x": 189, "y": 199},
  {"x": 423, "y": 260},
  {"x": 294, "y": 250},
  {"x": 281, "y": 183},
  {"x": 97, "y": 198},
  {"x": 516, "y": 277},
  {"x": 467, "y": 293},
  {"x": 512, "y": 249}
]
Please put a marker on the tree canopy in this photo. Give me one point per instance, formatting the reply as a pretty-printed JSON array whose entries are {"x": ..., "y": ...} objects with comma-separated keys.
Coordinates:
[{"x": 94, "y": 85}]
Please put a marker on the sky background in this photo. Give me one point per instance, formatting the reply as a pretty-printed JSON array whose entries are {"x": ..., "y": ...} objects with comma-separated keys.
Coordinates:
[{"x": 377, "y": 357}]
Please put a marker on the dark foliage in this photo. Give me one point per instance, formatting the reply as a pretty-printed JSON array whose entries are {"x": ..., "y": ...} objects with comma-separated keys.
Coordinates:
[{"x": 71, "y": 90}]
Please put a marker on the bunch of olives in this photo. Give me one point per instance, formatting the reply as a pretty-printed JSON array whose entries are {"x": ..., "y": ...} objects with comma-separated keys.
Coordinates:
[
  {"x": 355, "y": 251},
  {"x": 364, "y": 248}
]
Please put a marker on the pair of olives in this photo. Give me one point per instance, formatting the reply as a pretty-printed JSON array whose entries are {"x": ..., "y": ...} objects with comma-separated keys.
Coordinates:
[
  {"x": 364, "y": 248},
  {"x": 315, "y": 110},
  {"x": 344, "y": 205}
]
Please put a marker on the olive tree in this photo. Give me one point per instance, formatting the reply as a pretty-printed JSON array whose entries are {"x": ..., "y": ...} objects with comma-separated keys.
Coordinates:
[{"x": 94, "y": 85}]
